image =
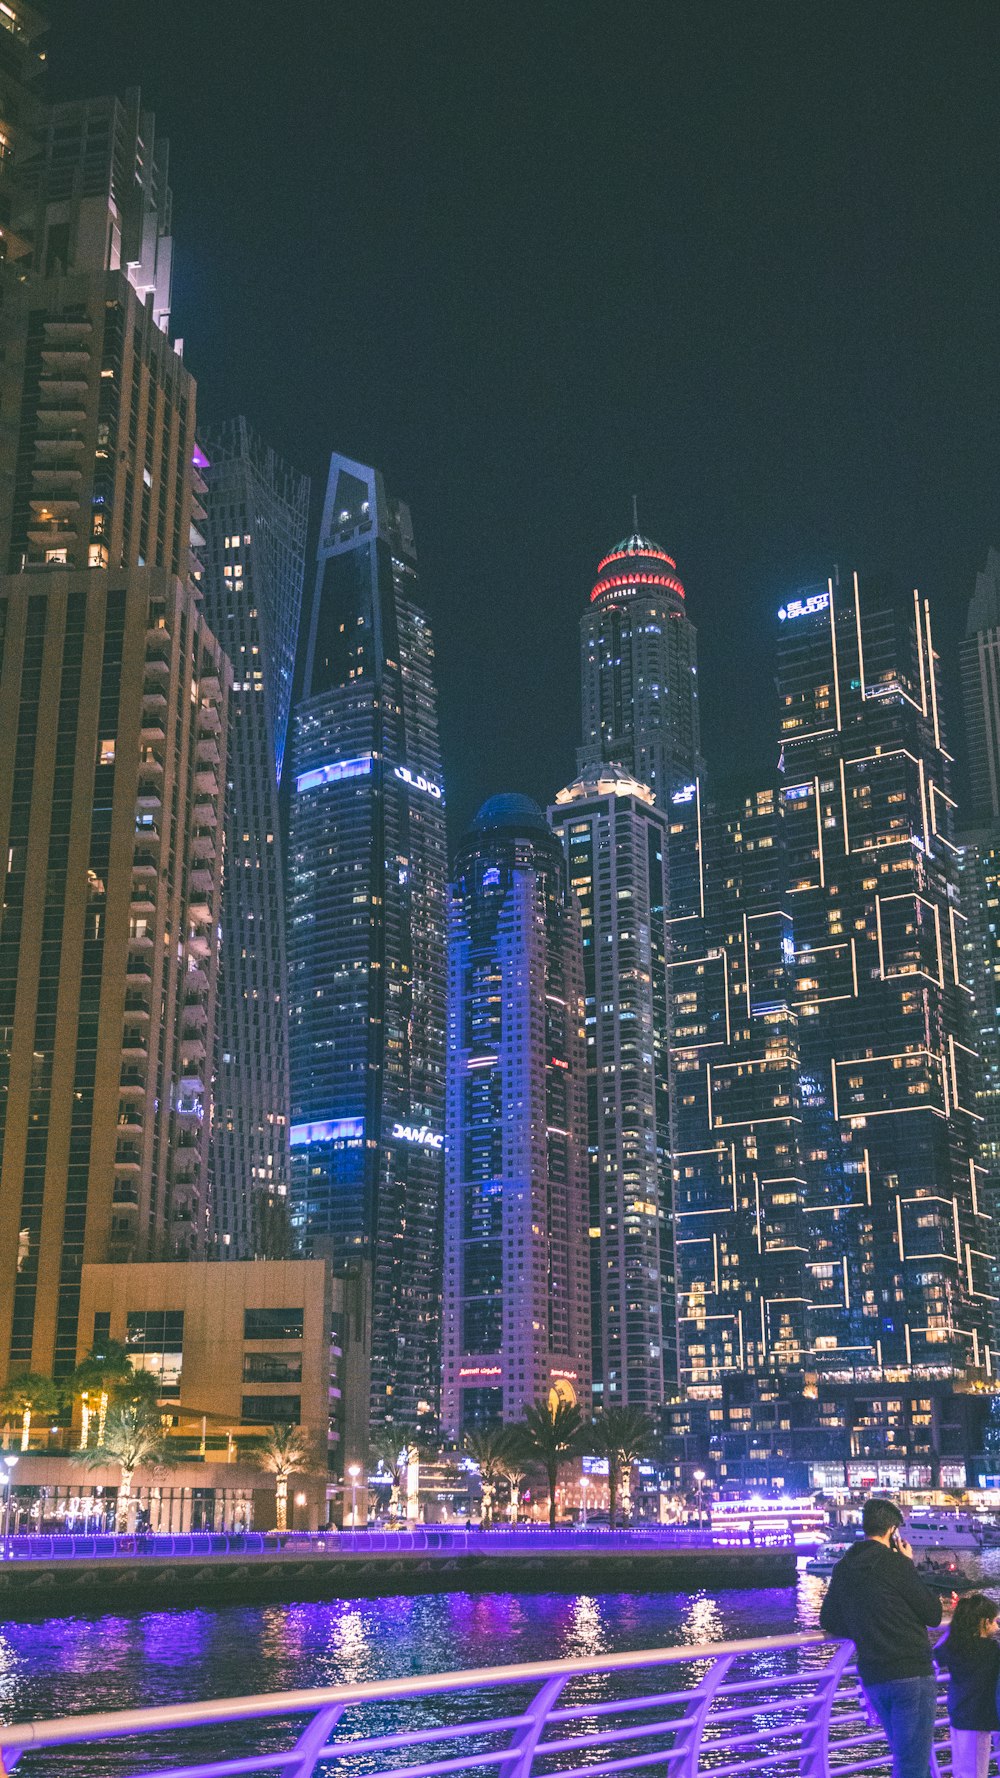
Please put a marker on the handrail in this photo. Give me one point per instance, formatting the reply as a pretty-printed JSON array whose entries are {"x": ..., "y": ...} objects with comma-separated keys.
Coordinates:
[
  {"x": 34, "y": 1546},
  {"x": 757, "y": 1707}
]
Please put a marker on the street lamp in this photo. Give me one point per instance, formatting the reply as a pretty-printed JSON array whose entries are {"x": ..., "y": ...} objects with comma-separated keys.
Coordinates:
[
  {"x": 584, "y": 1484},
  {"x": 9, "y": 1463},
  {"x": 354, "y": 1470},
  {"x": 699, "y": 1477}
]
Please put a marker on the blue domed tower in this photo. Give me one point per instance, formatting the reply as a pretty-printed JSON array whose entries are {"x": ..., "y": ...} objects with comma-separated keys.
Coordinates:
[
  {"x": 516, "y": 1279},
  {"x": 639, "y": 664}
]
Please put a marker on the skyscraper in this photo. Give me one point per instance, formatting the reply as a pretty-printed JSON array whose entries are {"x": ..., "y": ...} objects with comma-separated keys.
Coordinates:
[
  {"x": 979, "y": 855},
  {"x": 640, "y": 671},
  {"x": 615, "y": 843},
  {"x": 831, "y": 1210},
  {"x": 517, "y": 1316},
  {"x": 257, "y": 509},
  {"x": 980, "y": 656},
  {"x": 368, "y": 873},
  {"x": 112, "y": 752}
]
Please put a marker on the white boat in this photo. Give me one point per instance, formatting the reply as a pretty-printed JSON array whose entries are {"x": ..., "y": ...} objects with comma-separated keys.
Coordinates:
[{"x": 928, "y": 1530}]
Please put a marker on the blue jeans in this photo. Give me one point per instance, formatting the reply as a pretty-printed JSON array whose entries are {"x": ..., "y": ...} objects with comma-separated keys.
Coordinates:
[{"x": 906, "y": 1708}]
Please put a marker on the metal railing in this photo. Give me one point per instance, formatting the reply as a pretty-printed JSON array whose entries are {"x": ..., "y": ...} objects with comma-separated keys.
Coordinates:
[
  {"x": 419, "y": 1540},
  {"x": 778, "y": 1706}
]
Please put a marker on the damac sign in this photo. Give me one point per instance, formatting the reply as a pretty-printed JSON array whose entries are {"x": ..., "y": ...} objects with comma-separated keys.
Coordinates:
[
  {"x": 418, "y": 1133},
  {"x": 804, "y": 607},
  {"x": 418, "y": 783}
]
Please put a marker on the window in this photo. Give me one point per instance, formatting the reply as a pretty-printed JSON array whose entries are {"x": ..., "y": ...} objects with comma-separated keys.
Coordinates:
[
  {"x": 106, "y": 753},
  {"x": 271, "y": 1410},
  {"x": 268, "y": 1367},
  {"x": 272, "y": 1324},
  {"x": 155, "y": 1340}
]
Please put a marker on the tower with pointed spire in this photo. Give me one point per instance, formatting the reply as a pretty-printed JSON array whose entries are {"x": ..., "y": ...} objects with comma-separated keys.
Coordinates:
[{"x": 640, "y": 669}]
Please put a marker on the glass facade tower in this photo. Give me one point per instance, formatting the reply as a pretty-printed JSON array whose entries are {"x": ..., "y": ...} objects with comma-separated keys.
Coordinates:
[
  {"x": 368, "y": 875},
  {"x": 257, "y": 509},
  {"x": 516, "y": 1324}
]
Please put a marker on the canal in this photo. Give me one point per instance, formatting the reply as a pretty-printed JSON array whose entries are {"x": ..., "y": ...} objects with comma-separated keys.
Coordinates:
[{"x": 61, "y": 1666}]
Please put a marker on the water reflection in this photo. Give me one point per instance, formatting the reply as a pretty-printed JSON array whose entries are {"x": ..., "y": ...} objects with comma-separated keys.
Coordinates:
[
  {"x": 703, "y": 1621},
  {"x": 586, "y": 1636}
]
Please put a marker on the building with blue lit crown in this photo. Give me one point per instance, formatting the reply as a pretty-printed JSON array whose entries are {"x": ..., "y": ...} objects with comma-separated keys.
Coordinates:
[{"x": 366, "y": 935}]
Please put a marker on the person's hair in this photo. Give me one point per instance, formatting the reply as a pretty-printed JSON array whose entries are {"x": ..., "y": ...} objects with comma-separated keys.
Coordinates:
[
  {"x": 972, "y": 1611},
  {"x": 880, "y": 1516}
]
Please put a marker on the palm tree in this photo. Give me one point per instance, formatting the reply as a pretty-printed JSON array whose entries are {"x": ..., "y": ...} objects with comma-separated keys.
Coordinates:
[
  {"x": 551, "y": 1434},
  {"x": 391, "y": 1454},
  {"x": 106, "y": 1368},
  {"x": 134, "y": 1438},
  {"x": 624, "y": 1436},
  {"x": 515, "y": 1475},
  {"x": 286, "y": 1451},
  {"x": 27, "y": 1395},
  {"x": 489, "y": 1447}
]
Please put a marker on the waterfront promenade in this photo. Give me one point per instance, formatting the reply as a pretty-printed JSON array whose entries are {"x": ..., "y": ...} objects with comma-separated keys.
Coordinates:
[
  {"x": 774, "y": 1706},
  {"x": 40, "y": 1574}
]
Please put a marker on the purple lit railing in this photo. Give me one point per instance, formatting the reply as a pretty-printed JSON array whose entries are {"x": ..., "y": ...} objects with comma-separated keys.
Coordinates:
[
  {"x": 427, "y": 1540},
  {"x": 779, "y": 1706}
]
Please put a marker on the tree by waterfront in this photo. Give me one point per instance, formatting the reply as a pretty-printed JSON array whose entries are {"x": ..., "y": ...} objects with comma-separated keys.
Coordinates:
[
  {"x": 491, "y": 1449},
  {"x": 134, "y": 1438},
  {"x": 106, "y": 1371},
  {"x": 390, "y": 1453},
  {"x": 552, "y": 1433},
  {"x": 623, "y": 1436},
  {"x": 286, "y": 1451},
  {"x": 28, "y": 1395}
]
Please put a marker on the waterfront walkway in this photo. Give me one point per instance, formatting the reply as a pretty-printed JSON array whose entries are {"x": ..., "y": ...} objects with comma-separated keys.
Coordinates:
[
  {"x": 778, "y": 1707},
  {"x": 425, "y": 1540}
]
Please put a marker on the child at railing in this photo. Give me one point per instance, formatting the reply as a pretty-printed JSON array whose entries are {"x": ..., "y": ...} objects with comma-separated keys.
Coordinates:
[{"x": 971, "y": 1657}]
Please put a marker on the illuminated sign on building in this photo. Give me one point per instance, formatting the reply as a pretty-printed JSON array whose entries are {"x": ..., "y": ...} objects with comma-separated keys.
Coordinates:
[
  {"x": 686, "y": 794},
  {"x": 335, "y": 1129},
  {"x": 419, "y": 1134},
  {"x": 333, "y": 773},
  {"x": 805, "y": 607},
  {"x": 418, "y": 783},
  {"x": 481, "y": 1370}
]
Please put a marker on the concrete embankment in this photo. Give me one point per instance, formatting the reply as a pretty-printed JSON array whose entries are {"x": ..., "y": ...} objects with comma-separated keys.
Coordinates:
[{"x": 31, "y": 1589}]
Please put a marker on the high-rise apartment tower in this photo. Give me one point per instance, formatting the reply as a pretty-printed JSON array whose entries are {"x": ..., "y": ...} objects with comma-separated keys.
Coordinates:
[
  {"x": 640, "y": 670},
  {"x": 112, "y": 745},
  {"x": 615, "y": 844},
  {"x": 517, "y": 1313},
  {"x": 368, "y": 875},
  {"x": 257, "y": 509}
]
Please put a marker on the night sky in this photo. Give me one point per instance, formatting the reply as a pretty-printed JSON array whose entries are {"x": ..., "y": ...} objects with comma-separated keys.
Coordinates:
[{"x": 740, "y": 258}]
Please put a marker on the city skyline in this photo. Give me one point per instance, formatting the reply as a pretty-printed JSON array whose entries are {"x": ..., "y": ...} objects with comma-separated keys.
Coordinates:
[{"x": 797, "y": 370}]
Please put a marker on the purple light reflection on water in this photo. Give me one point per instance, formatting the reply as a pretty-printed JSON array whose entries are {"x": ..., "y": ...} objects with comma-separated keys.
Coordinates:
[{"x": 64, "y": 1666}]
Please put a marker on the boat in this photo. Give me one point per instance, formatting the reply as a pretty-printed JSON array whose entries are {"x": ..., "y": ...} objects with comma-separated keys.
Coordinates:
[
  {"x": 943, "y": 1531},
  {"x": 939, "y": 1569},
  {"x": 825, "y": 1560}
]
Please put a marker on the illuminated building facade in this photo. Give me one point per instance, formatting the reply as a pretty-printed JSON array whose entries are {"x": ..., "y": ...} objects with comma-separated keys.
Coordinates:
[
  {"x": 516, "y": 1298},
  {"x": 112, "y": 745},
  {"x": 615, "y": 843},
  {"x": 639, "y": 670},
  {"x": 832, "y": 1217},
  {"x": 366, "y": 935},
  {"x": 256, "y": 511},
  {"x": 979, "y": 858}
]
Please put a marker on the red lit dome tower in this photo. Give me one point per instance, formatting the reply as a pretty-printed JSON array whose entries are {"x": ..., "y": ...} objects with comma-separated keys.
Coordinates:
[{"x": 640, "y": 670}]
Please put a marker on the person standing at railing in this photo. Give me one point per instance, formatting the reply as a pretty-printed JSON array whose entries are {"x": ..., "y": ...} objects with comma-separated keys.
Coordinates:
[
  {"x": 970, "y": 1656},
  {"x": 877, "y": 1600}
]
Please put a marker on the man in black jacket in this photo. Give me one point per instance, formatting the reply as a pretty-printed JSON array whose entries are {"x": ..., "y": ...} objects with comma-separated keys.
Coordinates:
[{"x": 877, "y": 1600}]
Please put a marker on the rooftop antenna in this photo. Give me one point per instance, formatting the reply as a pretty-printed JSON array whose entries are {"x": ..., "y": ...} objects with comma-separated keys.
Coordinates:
[{"x": 635, "y": 514}]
